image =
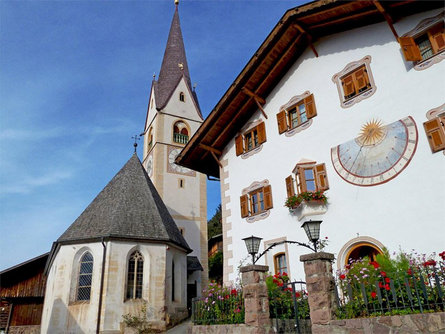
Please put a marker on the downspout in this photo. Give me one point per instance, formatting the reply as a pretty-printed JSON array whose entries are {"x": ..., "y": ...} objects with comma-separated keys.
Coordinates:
[{"x": 101, "y": 286}]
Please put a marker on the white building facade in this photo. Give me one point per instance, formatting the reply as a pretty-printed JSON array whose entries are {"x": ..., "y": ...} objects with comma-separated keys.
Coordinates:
[{"x": 346, "y": 118}]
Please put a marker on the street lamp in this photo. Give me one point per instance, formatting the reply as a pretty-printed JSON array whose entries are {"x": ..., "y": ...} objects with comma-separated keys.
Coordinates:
[
  {"x": 253, "y": 245},
  {"x": 312, "y": 229}
]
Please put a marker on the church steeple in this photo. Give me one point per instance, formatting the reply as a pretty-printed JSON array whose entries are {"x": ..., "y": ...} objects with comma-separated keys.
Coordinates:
[{"x": 174, "y": 65}]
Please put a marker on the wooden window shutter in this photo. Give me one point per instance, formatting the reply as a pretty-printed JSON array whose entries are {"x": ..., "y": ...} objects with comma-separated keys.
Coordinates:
[
  {"x": 290, "y": 186},
  {"x": 437, "y": 38},
  {"x": 282, "y": 123},
  {"x": 360, "y": 78},
  {"x": 267, "y": 192},
  {"x": 309, "y": 104},
  {"x": 409, "y": 48},
  {"x": 348, "y": 85},
  {"x": 302, "y": 180},
  {"x": 239, "y": 145},
  {"x": 321, "y": 177},
  {"x": 244, "y": 205},
  {"x": 435, "y": 131},
  {"x": 261, "y": 130}
]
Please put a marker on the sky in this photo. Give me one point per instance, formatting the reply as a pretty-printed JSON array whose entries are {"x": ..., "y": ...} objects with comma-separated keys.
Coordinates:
[{"x": 74, "y": 83}]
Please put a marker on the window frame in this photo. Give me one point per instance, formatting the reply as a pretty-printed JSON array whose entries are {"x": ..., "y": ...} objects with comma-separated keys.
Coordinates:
[
  {"x": 350, "y": 70},
  {"x": 80, "y": 274},
  {"x": 438, "y": 129},
  {"x": 285, "y": 119},
  {"x": 277, "y": 269},
  {"x": 178, "y": 137},
  {"x": 181, "y": 97},
  {"x": 137, "y": 265},
  {"x": 261, "y": 190},
  {"x": 298, "y": 178},
  {"x": 258, "y": 135}
]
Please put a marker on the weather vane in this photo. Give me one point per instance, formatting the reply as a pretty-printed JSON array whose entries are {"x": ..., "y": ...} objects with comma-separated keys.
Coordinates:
[{"x": 136, "y": 138}]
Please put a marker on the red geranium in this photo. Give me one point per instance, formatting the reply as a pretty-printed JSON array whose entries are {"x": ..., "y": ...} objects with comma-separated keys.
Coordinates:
[
  {"x": 297, "y": 294},
  {"x": 373, "y": 294},
  {"x": 387, "y": 288},
  {"x": 387, "y": 279},
  {"x": 342, "y": 276},
  {"x": 383, "y": 273},
  {"x": 284, "y": 273},
  {"x": 429, "y": 263},
  {"x": 233, "y": 292},
  {"x": 375, "y": 264},
  {"x": 380, "y": 285},
  {"x": 409, "y": 272},
  {"x": 348, "y": 266}
]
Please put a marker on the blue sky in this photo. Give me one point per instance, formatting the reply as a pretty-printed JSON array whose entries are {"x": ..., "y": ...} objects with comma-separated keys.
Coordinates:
[{"x": 74, "y": 84}]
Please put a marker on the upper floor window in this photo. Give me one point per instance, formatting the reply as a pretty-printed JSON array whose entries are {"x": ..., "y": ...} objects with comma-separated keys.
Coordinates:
[
  {"x": 435, "y": 131},
  {"x": 355, "y": 82},
  {"x": 85, "y": 277},
  {"x": 299, "y": 110},
  {"x": 280, "y": 263},
  {"x": 256, "y": 201},
  {"x": 309, "y": 177},
  {"x": 181, "y": 97},
  {"x": 250, "y": 139},
  {"x": 135, "y": 275},
  {"x": 180, "y": 133}
]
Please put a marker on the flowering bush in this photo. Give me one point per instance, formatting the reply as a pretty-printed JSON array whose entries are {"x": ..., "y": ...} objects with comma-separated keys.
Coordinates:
[
  {"x": 219, "y": 305},
  {"x": 408, "y": 283},
  {"x": 293, "y": 202},
  {"x": 281, "y": 300}
]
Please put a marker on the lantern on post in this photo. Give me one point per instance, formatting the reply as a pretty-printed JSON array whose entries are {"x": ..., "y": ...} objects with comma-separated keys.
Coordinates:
[
  {"x": 253, "y": 245},
  {"x": 312, "y": 229}
]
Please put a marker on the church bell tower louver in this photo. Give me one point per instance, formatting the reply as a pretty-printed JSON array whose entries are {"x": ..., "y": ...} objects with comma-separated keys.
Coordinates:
[{"x": 173, "y": 116}]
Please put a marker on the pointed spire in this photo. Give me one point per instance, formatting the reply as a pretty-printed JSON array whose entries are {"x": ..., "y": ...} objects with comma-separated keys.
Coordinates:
[{"x": 174, "y": 64}]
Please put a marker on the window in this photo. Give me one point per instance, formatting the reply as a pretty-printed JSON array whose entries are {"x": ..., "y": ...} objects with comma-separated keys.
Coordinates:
[
  {"x": 85, "y": 277},
  {"x": 294, "y": 114},
  {"x": 251, "y": 139},
  {"x": 256, "y": 201},
  {"x": 280, "y": 263},
  {"x": 309, "y": 177},
  {"x": 135, "y": 275},
  {"x": 181, "y": 97},
  {"x": 424, "y": 44},
  {"x": 435, "y": 132},
  {"x": 355, "y": 82},
  {"x": 181, "y": 183},
  {"x": 173, "y": 281},
  {"x": 180, "y": 133}
]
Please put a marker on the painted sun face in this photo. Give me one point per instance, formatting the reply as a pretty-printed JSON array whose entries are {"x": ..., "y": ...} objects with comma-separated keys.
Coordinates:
[
  {"x": 378, "y": 155},
  {"x": 171, "y": 161}
]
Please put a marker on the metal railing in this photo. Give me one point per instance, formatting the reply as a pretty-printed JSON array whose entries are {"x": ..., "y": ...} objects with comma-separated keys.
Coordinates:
[
  {"x": 416, "y": 290},
  {"x": 180, "y": 138},
  {"x": 218, "y": 309}
]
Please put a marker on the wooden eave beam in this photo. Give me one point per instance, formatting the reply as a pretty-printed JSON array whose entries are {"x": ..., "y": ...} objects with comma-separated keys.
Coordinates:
[
  {"x": 309, "y": 38},
  {"x": 345, "y": 18},
  {"x": 258, "y": 100},
  {"x": 209, "y": 148},
  {"x": 387, "y": 17},
  {"x": 216, "y": 159}
]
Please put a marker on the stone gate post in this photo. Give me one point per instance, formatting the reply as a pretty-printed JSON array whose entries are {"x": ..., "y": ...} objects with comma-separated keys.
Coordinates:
[
  {"x": 256, "y": 301},
  {"x": 320, "y": 287}
]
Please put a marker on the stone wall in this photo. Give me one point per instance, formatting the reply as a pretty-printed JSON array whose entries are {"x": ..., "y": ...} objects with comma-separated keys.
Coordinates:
[
  {"x": 406, "y": 324},
  {"x": 24, "y": 330},
  {"x": 231, "y": 329}
]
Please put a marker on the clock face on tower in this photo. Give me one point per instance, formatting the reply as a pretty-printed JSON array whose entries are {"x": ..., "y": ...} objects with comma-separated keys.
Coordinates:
[
  {"x": 378, "y": 155},
  {"x": 172, "y": 166}
]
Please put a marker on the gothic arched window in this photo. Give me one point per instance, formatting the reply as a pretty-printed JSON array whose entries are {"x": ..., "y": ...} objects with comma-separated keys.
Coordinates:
[
  {"x": 180, "y": 133},
  {"x": 85, "y": 277},
  {"x": 181, "y": 97},
  {"x": 135, "y": 275}
]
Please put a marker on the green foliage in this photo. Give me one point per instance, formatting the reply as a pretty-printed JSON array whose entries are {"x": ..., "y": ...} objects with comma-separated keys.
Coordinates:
[
  {"x": 293, "y": 202},
  {"x": 139, "y": 321},
  {"x": 216, "y": 267},
  {"x": 219, "y": 305},
  {"x": 214, "y": 225}
]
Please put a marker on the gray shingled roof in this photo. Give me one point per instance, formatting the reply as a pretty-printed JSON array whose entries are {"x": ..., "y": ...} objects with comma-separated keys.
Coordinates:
[
  {"x": 171, "y": 73},
  {"x": 128, "y": 207}
]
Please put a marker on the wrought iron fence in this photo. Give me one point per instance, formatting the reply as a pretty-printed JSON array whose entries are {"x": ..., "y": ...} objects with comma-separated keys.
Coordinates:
[
  {"x": 416, "y": 290},
  {"x": 288, "y": 307},
  {"x": 219, "y": 308},
  {"x": 180, "y": 138}
]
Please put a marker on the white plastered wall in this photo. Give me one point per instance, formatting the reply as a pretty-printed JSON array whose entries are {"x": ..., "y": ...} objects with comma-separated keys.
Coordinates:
[{"x": 405, "y": 212}]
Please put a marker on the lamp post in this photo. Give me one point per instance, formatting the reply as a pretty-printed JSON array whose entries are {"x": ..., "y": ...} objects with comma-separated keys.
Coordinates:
[
  {"x": 253, "y": 245},
  {"x": 312, "y": 229}
]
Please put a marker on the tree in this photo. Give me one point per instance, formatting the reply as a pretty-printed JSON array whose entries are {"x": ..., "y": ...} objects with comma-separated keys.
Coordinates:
[{"x": 214, "y": 225}]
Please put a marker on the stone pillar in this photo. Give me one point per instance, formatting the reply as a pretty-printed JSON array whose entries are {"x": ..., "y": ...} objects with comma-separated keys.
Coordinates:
[
  {"x": 256, "y": 301},
  {"x": 320, "y": 287}
]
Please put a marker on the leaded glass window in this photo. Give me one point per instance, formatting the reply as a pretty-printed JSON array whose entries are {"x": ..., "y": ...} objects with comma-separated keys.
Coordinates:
[
  {"x": 85, "y": 277},
  {"x": 135, "y": 275}
]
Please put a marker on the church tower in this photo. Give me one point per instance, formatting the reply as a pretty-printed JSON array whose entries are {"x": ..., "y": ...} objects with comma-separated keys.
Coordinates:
[{"x": 173, "y": 116}]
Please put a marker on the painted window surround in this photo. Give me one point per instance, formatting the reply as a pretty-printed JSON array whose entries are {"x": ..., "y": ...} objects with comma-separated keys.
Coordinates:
[
  {"x": 249, "y": 127},
  {"x": 246, "y": 191},
  {"x": 436, "y": 113}
]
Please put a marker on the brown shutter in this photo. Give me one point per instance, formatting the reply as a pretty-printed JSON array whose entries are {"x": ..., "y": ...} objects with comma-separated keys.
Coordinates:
[
  {"x": 321, "y": 177},
  {"x": 261, "y": 130},
  {"x": 410, "y": 49},
  {"x": 348, "y": 85},
  {"x": 360, "y": 78},
  {"x": 244, "y": 205},
  {"x": 302, "y": 180},
  {"x": 309, "y": 104},
  {"x": 282, "y": 123},
  {"x": 290, "y": 186},
  {"x": 435, "y": 131},
  {"x": 267, "y": 192},
  {"x": 437, "y": 38},
  {"x": 239, "y": 145}
]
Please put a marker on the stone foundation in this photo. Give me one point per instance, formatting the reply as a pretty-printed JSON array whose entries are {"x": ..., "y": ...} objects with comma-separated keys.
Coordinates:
[
  {"x": 231, "y": 329},
  {"x": 24, "y": 330},
  {"x": 397, "y": 324}
]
